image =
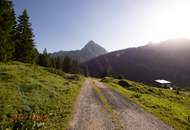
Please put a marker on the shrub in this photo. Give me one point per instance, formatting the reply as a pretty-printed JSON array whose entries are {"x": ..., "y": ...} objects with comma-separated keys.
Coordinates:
[
  {"x": 124, "y": 83},
  {"x": 73, "y": 77},
  {"x": 137, "y": 95},
  {"x": 188, "y": 118},
  {"x": 120, "y": 77},
  {"x": 105, "y": 79},
  {"x": 177, "y": 92},
  {"x": 5, "y": 76},
  {"x": 55, "y": 71},
  {"x": 27, "y": 121}
]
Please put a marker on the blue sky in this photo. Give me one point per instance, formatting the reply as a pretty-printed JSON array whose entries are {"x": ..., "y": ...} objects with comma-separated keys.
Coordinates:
[{"x": 114, "y": 24}]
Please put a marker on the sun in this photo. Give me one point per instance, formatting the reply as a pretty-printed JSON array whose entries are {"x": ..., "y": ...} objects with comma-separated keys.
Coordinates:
[{"x": 173, "y": 20}]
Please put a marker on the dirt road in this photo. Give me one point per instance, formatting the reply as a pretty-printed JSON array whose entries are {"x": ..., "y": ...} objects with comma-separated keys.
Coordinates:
[{"x": 91, "y": 113}]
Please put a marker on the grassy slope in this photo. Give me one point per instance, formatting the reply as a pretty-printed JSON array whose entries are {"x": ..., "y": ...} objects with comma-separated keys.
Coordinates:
[
  {"x": 24, "y": 87},
  {"x": 170, "y": 106}
]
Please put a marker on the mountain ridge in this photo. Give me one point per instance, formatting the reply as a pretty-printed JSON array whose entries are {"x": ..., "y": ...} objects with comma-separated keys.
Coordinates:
[
  {"x": 89, "y": 51},
  {"x": 164, "y": 60}
]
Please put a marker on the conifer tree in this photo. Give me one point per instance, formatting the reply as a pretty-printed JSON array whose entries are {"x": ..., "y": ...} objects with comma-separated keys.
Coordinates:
[
  {"x": 44, "y": 59},
  {"x": 75, "y": 68},
  {"x": 24, "y": 50},
  {"x": 107, "y": 72},
  {"x": 86, "y": 71},
  {"x": 7, "y": 29},
  {"x": 35, "y": 56},
  {"x": 66, "y": 66},
  {"x": 58, "y": 63},
  {"x": 52, "y": 62}
]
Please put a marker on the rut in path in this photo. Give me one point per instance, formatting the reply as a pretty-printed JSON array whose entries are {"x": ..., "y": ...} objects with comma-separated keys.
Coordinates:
[
  {"x": 89, "y": 111},
  {"x": 91, "y": 114}
]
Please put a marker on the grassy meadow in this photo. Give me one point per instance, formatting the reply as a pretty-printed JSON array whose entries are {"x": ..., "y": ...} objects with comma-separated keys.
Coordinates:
[
  {"x": 171, "y": 106},
  {"x": 29, "y": 89}
]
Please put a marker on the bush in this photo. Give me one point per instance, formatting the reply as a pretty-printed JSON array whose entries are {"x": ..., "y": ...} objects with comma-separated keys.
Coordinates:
[
  {"x": 55, "y": 71},
  {"x": 124, "y": 83},
  {"x": 177, "y": 92},
  {"x": 26, "y": 121},
  {"x": 137, "y": 95},
  {"x": 120, "y": 77},
  {"x": 105, "y": 79},
  {"x": 188, "y": 118},
  {"x": 5, "y": 76},
  {"x": 73, "y": 77}
]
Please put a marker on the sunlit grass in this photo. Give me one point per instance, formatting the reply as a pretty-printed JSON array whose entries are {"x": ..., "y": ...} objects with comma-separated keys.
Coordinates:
[
  {"x": 171, "y": 106},
  {"x": 33, "y": 89}
]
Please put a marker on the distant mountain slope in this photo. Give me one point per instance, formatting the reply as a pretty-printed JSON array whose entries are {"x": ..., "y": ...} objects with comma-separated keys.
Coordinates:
[
  {"x": 168, "y": 60},
  {"x": 89, "y": 51}
]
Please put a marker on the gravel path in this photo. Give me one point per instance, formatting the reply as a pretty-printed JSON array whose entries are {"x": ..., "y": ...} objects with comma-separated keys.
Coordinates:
[
  {"x": 90, "y": 113},
  {"x": 131, "y": 115}
]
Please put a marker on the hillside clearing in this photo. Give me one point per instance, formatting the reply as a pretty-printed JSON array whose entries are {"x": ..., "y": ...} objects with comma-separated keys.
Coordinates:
[{"x": 30, "y": 89}]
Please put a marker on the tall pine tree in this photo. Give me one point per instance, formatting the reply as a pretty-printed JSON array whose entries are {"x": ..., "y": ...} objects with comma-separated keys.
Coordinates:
[
  {"x": 58, "y": 63},
  {"x": 44, "y": 59},
  {"x": 75, "y": 68},
  {"x": 24, "y": 50},
  {"x": 66, "y": 66},
  {"x": 7, "y": 29}
]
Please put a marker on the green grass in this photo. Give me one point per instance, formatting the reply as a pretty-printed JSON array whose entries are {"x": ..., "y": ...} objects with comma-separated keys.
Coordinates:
[
  {"x": 171, "y": 106},
  {"x": 33, "y": 89}
]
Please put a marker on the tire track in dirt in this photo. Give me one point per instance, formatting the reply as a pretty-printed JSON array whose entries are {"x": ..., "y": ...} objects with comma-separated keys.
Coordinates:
[
  {"x": 131, "y": 116},
  {"x": 90, "y": 113}
]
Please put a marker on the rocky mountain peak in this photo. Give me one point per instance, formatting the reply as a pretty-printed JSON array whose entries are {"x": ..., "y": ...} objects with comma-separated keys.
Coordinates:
[
  {"x": 94, "y": 48},
  {"x": 89, "y": 51}
]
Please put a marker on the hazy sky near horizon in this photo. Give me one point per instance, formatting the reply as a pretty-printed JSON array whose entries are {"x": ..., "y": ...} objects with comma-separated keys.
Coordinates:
[{"x": 114, "y": 24}]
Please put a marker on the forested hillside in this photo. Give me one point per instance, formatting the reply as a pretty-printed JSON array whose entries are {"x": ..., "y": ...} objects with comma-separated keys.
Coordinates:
[{"x": 165, "y": 60}]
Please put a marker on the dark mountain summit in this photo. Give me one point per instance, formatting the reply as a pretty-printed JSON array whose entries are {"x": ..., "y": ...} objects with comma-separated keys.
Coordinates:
[
  {"x": 93, "y": 48},
  {"x": 89, "y": 51},
  {"x": 168, "y": 60}
]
